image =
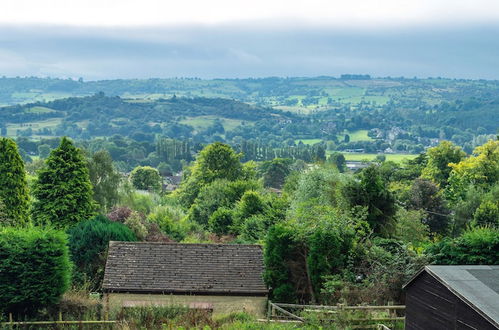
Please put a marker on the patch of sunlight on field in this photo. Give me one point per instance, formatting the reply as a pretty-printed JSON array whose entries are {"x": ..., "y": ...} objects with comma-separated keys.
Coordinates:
[
  {"x": 49, "y": 123},
  {"x": 397, "y": 158}
]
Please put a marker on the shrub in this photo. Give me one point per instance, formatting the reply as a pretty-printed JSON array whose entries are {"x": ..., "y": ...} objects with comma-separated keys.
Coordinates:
[
  {"x": 136, "y": 224},
  {"x": 221, "y": 220},
  {"x": 476, "y": 246},
  {"x": 89, "y": 240},
  {"x": 35, "y": 269},
  {"x": 171, "y": 220},
  {"x": 119, "y": 213}
]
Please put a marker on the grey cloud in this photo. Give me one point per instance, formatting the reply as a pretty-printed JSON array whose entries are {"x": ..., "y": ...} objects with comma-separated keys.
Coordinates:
[{"x": 248, "y": 51}]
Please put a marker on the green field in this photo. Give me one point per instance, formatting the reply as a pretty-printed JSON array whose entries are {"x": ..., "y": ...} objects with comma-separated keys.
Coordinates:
[
  {"x": 49, "y": 123},
  {"x": 40, "y": 110},
  {"x": 356, "y": 136},
  {"x": 369, "y": 157},
  {"x": 203, "y": 122}
]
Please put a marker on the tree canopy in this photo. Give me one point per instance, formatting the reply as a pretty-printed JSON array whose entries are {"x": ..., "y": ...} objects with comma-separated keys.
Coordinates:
[{"x": 63, "y": 190}]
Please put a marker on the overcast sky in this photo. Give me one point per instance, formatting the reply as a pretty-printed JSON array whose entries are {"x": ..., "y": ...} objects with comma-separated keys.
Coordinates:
[{"x": 102, "y": 39}]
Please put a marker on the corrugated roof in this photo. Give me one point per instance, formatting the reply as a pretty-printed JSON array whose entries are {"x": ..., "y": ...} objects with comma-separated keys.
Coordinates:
[
  {"x": 184, "y": 268},
  {"x": 478, "y": 286}
]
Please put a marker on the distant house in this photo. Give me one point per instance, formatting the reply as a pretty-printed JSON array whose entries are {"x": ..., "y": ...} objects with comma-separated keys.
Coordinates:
[
  {"x": 221, "y": 277},
  {"x": 453, "y": 297}
]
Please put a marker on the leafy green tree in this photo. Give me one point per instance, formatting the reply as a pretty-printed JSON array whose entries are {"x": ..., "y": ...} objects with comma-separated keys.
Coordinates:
[
  {"x": 487, "y": 213},
  {"x": 63, "y": 190},
  {"x": 338, "y": 160},
  {"x": 410, "y": 228},
  {"x": 480, "y": 170},
  {"x": 275, "y": 172},
  {"x": 13, "y": 183},
  {"x": 439, "y": 159},
  {"x": 218, "y": 161},
  {"x": 215, "y": 161},
  {"x": 323, "y": 185},
  {"x": 105, "y": 180},
  {"x": 424, "y": 195},
  {"x": 146, "y": 178},
  {"x": 219, "y": 193},
  {"x": 35, "y": 269},
  {"x": 372, "y": 192},
  {"x": 252, "y": 203}
]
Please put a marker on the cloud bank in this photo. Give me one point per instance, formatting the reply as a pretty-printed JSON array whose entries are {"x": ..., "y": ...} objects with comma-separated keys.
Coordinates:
[{"x": 248, "y": 50}]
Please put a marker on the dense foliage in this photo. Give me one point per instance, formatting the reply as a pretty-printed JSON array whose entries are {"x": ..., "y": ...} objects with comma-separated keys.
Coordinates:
[
  {"x": 478, "y": 246},
  {"x": 63, "y": 190},
  {"x": 35, "y": 269},
  {"x": 145, "y": 178},
  {"x": 13, "y": 184},
  {"x": 88, "y": 242}
]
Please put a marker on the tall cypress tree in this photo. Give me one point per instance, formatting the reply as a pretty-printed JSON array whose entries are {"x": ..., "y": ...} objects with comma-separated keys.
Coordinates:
[
  {"x": 13, "y": 185},
  {"x": 63, "y": 189}
]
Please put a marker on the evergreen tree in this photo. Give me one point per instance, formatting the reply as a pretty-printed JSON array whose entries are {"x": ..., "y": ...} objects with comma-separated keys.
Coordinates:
[
  {"x": 63, "y": 189},
  {"x": 13, "y": 185}
]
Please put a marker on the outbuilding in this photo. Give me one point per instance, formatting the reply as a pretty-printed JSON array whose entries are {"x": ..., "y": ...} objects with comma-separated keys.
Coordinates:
[
  {"x": 221, "y": 277},
  {"x": 453, "y": 297}
]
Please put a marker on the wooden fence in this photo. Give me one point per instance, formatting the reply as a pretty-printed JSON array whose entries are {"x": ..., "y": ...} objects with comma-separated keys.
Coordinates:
[
  {"x": 287, "y": 312},
  {"x": 11, "y": 323}
]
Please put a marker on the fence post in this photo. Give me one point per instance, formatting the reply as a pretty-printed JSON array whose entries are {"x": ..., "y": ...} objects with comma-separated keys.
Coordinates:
[{"x": 269, "y": 306}]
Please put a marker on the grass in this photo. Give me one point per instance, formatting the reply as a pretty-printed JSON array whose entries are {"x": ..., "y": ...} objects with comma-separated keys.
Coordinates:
[
  {"x": 397, "y": 158},
  {"x": 40, "y": 110},
  {"x": 356, "y": 136},
  {"x": 49, "y": 123}
]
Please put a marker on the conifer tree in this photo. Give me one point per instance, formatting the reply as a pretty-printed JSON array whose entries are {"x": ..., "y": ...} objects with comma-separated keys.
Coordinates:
[
  {"x": 63, "y": 189},
  {"x": 13, "y": 185}
]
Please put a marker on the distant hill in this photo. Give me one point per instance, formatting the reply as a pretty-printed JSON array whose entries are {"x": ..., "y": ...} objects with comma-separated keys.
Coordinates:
[{"x": 354, "y": 112}]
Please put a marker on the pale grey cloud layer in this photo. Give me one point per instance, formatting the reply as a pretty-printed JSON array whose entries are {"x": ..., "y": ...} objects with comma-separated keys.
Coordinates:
[{"x": 237, "y": 50}]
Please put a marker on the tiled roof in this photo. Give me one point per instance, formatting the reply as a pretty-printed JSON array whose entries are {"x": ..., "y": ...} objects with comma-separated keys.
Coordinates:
[{"x": 184, "y": 268}]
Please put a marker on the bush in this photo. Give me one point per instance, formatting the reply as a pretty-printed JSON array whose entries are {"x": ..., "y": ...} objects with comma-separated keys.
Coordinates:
[
  {"x": 136, "y": 224},
  {"x": 477, "y": 246},
  {"x": 221, "y": 220},
  {"x": 35, "y": 269},
  {"x": 171, "y": 220},
  {"x": 89, "y": 240}
]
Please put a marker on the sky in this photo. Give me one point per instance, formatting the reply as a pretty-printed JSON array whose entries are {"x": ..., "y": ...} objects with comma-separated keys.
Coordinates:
[{"x": 108, "y": 39}]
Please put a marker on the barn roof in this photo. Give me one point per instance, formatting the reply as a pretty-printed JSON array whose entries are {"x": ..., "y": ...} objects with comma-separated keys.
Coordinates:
[
  {"x": 478, "y": 286},
  {"x": 184, "y": 268}
]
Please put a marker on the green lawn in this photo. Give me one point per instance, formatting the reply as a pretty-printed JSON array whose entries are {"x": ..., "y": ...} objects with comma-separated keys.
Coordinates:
[
  {"x": 356, "y": 136},
  {"x": 369, "y": 157}
]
